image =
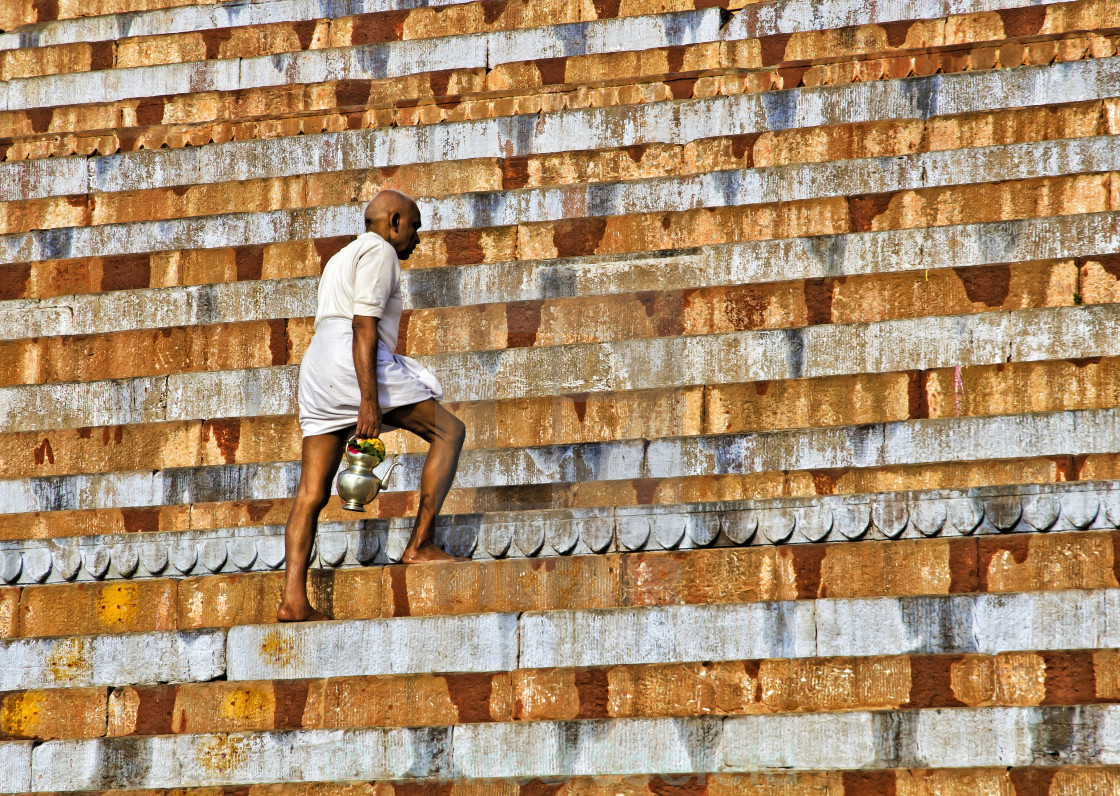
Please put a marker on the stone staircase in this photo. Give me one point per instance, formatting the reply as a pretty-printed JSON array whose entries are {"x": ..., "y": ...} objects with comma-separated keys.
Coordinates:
[{"x": 786, "y": 337}]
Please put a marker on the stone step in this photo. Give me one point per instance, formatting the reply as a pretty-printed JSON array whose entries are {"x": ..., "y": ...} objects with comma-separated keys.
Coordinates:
[
  {"x": 1006, "y": 737},
  {"x": 542, "y": 325},
  {"x": 775, "y": 156},
  {"x": 25, "y": 12},
  {"x": 310, "y": 111},
  {"x": 272, "y": 30},
  {"x": 892, "y": 444},
  {"x": 752, "y": 21},
  {"x": 858, "y": 254},
  {"x": 620, "y": 126},
  {"x": 310, "y": 108},
  {"x": 971, "y": 474},
  {"x": 1076, "y": 193},
  {"x": 762, "y": 407},
  {"x": 647, "y": 691},
  {"x": 740, "y": 188},
  {"x": 898, "y": 557},
  {"x": 926, "y": 625},
  {"x": 369, "y": 61},
  {"x": 729, "y": 358},
  {"x": 988, "y": 781}
]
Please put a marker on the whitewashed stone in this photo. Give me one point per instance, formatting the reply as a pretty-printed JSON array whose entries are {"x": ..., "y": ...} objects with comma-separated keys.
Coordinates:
[
  {"x": 965, "y": 515},
  {"x": 1074, "y": 619},
  {"x": 11, "y": 565},
  {"x": 967, "y": 738},
  {"x": 585, "y": 748},
  {"x": 1041, "y": 511},
  {"x": 725, "y": 264},
  {"x": 184, "y": 19},
  {"x": 707, "y": 190},
  {"x": 133, "y": 658},
  {"x": 243, "y": 758},
  {"x": 676, "y": 633},
  {"x": 371, "y": 61},
  {"x": 596, "y": 128},
  {"x": 473, "y": 643},
  {"x": 814, "y": 741},
  {"x": 632, "y": 532},
  {"x": 890, "y": 444},
  {"x": 777, "y": 524},
  {"x": 15, "y": 763},
  {"x": 776, "y": 183},
  {"x": 795, "y": 16},
  {"x": 857, "y": 740},
  {"x": 1080, "y": 509}
]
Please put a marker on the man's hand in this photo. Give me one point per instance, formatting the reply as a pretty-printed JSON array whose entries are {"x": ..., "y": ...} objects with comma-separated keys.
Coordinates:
[{"x": 369, "y": 419}]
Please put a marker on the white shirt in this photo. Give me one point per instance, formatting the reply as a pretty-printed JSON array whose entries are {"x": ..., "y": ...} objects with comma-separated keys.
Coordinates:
[{"x": 364, "y": 278}]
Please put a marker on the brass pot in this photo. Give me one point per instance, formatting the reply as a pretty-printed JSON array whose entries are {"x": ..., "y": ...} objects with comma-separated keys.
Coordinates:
[{"x": 357, "y": 485}]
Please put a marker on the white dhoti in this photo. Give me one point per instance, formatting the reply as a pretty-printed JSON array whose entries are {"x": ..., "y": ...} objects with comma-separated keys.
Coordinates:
[{"x": 328, "y": 384}]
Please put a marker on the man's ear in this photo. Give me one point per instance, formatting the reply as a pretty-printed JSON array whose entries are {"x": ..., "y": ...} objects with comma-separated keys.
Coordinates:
[{"x": 395, "y": 222}]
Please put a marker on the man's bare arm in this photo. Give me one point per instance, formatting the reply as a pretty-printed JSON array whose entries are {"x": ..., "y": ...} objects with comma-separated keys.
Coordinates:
[{"x": 365, "y": 365}]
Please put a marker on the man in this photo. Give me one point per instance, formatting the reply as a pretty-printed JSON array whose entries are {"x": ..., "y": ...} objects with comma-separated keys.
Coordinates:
[{"x": 351, "y": 380}]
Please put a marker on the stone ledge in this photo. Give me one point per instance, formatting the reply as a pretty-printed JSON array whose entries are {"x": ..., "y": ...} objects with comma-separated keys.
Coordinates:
[
  {"x": 718, "y": 189},
  {"x": 643, "y": 691},
  {"x": 516, "y": 136},
  {"x": 754, "y": 21},
  {"x": 371, "y": 61},
  {"x": 896, "y": 345},
  {"x": 897, "y": 443},
  {"x": 983, "y": 623},
  {"x": 160, "y": 657},
  {"x": 752, "y": 262},
  {"x": 1032, "y": 508},
  {"x": 1003, "y": 737},
  {"x": 772, "y": 185}
]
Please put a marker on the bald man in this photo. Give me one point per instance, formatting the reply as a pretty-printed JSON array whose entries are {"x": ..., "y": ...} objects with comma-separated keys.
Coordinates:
[{"x": 352, "y": 381}]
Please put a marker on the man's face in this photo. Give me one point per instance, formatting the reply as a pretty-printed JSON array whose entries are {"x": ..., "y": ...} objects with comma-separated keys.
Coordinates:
[{"x": 405, "y": 235}]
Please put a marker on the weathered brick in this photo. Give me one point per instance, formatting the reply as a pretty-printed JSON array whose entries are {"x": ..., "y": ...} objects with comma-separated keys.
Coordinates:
[
  {"x": 700, "y": 576},
  {"x": 9, "y": 612},
  {"x": 412, "y": 701},
  {"x": 1012, "y": 678},
  {"x": 959, "y": 782},
  {"x": 898, "y": 567},
  {"x": 53, "y": 713},
  {"x": 84, "y": 609},
  {"x": 226, "y": 600},
  {"x": 686, "y": 689},
  {"x": 233, "y": 707},
  {"x": 1065, "y": 560},
  {"x": 844, "y": 684}
]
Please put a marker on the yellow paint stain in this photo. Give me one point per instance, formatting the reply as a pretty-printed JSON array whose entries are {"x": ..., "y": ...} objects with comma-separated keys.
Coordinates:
[
  {"x": 117, "y": 603},
  {"x": 278, "y": 648},
  {"x": 20, "y": 713},
  {"x": 222, "y": 754},
  {"x": 246, "y": 703},
  {"x": 69, "y": 660}
]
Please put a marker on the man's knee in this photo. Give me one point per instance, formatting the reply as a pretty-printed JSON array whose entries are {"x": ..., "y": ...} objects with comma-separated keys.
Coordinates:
[
  {"x": 313, "y": 496},
  {"x": 455, "y": 432}
]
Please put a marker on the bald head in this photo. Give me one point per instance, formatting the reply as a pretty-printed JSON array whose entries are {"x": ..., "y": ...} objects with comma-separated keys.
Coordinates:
[{"x": 396, "y": 218}]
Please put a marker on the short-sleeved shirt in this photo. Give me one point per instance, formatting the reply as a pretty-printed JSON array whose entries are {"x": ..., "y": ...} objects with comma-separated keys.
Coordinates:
[{"x": 364, "y": 278}]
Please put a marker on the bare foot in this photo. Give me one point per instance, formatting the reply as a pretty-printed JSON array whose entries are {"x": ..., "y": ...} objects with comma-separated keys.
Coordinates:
[
  {"x": 305, "y": 613},
  {"x": 428, "y": 552}
]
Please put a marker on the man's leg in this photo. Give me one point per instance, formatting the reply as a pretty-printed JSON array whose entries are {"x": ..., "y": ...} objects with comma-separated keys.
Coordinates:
[
  {"x": 444, "y": 434},
  {"x": 321, "y": 455}
]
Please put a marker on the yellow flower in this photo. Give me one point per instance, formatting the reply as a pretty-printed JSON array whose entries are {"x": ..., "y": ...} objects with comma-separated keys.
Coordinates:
[{"x": 371, "y": 446}]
